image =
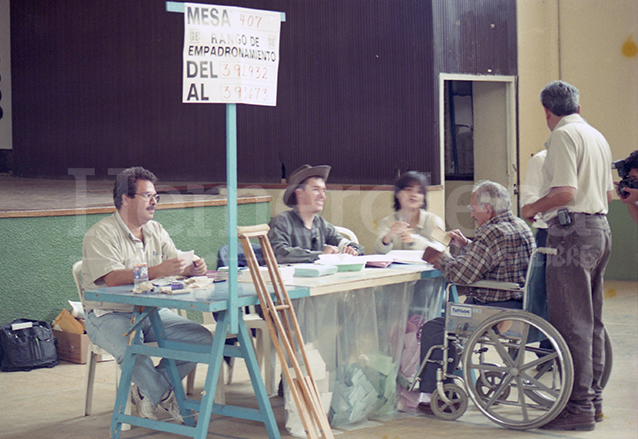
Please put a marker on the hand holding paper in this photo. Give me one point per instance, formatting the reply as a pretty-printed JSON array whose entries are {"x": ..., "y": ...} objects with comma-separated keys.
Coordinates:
[
  {"x": 458, "y": 239},
  {"x": 198, "y": 267},
  {"x": 186, "y": 256},
  {"x": 194, "y": 265},
  {"x": 441, "y": 235}
]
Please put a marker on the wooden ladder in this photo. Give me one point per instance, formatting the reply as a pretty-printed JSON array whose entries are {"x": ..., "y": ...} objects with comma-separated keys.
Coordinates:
[{"x": 284, "y": 329}]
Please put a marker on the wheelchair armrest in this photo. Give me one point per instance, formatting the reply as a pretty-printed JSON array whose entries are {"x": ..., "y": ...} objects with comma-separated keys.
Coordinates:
[
  {"x": 496, "y": 285},
  {"x": 546, "y": 250}
]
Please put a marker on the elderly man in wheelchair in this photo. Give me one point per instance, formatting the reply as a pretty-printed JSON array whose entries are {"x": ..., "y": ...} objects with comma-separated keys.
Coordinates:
[{"x": 496, "y": 333}]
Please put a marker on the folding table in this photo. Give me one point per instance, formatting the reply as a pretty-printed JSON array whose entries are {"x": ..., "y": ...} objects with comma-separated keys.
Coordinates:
[{"x": 208, "y": 300}]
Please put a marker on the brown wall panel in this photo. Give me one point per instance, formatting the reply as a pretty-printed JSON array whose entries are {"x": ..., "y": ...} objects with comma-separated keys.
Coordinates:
[
  {"x": 98, "y": 85},
  {"x": 475, "y": 36}
]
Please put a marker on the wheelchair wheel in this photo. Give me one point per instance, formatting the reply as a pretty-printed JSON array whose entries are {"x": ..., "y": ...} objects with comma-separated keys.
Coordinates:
[
  {"x": 609, "y": 361},
  {"x": 487, "y": 383},
  {"x": 454, "y": 409},
  {"x": 529, "y": 385},
  {"x": 540, "y": 398}
]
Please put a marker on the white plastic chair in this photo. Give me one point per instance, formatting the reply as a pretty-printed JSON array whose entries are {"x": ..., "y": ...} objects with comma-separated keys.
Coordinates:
[
  {"x": 220, "y": 391},
  {"x": 348, "y": 234},
  {"x": 91, "y": 358},
  {"x": 263, "y": 348}
]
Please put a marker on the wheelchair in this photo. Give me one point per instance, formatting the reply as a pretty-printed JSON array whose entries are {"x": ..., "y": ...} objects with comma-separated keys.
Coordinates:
[{"x": 511, "y": 378}]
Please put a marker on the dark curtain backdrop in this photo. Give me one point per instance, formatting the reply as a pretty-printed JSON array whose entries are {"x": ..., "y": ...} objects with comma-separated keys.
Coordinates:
[{"x": 98, "y": 85}]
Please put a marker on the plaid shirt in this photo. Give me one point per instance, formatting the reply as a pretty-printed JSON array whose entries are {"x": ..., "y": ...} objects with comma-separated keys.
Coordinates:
[{"x": 500, "y": 252}]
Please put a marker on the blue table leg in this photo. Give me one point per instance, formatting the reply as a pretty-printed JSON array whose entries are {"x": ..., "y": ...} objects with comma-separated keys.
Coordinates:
[
  {"x": 245, "y": 341},
  {"x": 212, "y": 356},
  {"x": 171, "y": 369},
  {"x": 265, "y": 413},
  {"x": 124, "y": 388},
  {"x": 214, "y": 368}
]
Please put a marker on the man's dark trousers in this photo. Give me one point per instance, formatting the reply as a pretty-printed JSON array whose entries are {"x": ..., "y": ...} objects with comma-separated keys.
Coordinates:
[{"x": 575, "y": 300}]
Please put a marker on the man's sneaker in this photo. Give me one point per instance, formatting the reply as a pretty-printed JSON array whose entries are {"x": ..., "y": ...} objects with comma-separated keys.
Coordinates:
[
  {"x": 567, "y": 420},
  {"x": 169, "y": 403},
  {"x": 144, "y": 406}
]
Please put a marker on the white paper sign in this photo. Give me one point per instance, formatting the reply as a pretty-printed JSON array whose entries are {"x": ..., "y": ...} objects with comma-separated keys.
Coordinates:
[{"x": 231, "y": 55}]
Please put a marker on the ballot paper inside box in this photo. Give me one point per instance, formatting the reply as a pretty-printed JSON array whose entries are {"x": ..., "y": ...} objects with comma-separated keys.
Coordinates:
[
  {"x": 382, "y": 371},
  {"x": 294, "y": 425},
  {"x": 362, "y": 389}
]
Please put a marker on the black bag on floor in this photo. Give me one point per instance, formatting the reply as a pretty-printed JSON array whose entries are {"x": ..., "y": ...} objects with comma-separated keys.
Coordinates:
[{"x": 27, "y": 344}]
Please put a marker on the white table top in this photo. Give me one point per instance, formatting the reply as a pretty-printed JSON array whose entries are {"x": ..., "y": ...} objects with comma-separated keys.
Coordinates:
[{"x": 368, "y": 277}]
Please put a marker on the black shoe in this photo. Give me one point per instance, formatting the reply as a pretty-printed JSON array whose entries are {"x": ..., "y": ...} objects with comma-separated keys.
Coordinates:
[
  {"x": 598, "y": 409},
  {"x": 425, "y": 409},
  {"x": 567, "y": 420},
  {"x": 280, "y": 390}
]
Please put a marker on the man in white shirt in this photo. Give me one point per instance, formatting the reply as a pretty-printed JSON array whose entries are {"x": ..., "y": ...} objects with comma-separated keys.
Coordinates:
[
  {"x": 577, "y": 188},
  {"x": 108, "y": 251},
  {"x": 530, "y": 192}
]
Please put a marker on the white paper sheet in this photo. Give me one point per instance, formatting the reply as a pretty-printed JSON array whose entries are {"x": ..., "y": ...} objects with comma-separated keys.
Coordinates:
[{"x": 187, "y": 256}]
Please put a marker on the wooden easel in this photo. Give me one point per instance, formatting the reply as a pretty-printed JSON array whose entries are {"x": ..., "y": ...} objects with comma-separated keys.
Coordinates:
[{"x": 284, "y": 330}]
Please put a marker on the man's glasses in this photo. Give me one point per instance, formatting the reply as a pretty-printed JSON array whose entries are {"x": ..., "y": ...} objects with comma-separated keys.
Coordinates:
[{"x": 147, "y": 196}]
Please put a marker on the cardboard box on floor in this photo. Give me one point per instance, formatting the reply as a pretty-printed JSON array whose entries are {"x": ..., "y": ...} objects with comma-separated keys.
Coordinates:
[{"x": 72, "y": 343}]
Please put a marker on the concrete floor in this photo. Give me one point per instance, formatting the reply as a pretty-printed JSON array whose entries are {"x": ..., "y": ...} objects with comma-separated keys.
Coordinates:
[{"x": 48, "y": 403}]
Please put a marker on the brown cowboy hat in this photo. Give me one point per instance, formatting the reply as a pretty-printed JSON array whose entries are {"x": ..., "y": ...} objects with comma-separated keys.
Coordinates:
[{"x": 300, "y": 174}]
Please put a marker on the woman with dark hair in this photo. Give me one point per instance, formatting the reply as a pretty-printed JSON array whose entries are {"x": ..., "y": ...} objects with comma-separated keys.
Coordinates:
[{"x": 410, "y": 227}]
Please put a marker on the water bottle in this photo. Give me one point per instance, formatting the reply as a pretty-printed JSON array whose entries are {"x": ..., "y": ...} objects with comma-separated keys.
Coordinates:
[{"x": 140, "y": 268}]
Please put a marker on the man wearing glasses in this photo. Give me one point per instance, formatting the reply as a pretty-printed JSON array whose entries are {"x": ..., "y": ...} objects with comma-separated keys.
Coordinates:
[
  {"x": 108, "y": 251},
  {"x": 300, "y": 234}
]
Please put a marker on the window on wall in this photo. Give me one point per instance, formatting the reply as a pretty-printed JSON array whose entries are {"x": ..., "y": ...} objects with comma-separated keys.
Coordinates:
[{"x": 459, "y": 131}]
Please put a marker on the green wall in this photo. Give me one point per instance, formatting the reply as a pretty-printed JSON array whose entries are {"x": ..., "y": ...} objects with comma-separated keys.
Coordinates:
[
  {"x": 37, "y": 253},
  {"x": 623, "y": 264}
]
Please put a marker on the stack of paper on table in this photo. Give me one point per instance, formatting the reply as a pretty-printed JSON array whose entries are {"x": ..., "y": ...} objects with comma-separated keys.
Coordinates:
[
  {"x": 343, "y": 261},
  {"x": 378, "y": 261},
  {"x": 406, "y": 256},
  {"x": 196, "y": 282},
  {"x": 413, "y": 256},
  {"x": 217, "y": 276},
  {"x": 314, "y": 270},
  {"x": 287, "y": 273}
]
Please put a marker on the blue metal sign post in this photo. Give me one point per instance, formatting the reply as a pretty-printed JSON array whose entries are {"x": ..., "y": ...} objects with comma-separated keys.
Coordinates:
[{"x": 230, "y": 311}]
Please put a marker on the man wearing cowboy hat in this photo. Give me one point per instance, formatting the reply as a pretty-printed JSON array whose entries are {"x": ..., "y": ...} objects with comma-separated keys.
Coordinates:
[{"x": 300, "y": 235}]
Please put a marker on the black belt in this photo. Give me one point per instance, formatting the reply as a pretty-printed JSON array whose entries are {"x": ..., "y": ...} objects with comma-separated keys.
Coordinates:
[{"x": 575, "y": 215}]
